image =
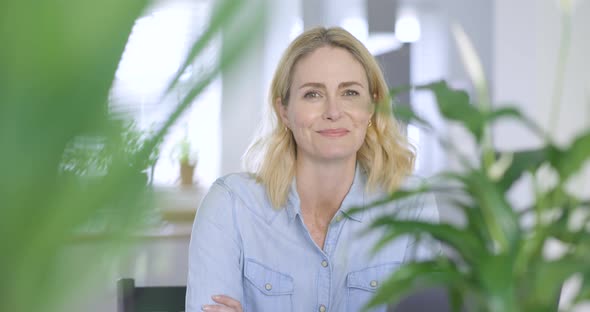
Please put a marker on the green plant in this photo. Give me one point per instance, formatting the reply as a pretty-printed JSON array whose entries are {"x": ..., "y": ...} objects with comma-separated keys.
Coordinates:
[
  {"x": 57, "y": 63},
  {"x": 92, "y": 156},
  {"x": 133, "y": 142},
  {"x": 183, "y": 151},
  {"x": 496, "y": 259}
]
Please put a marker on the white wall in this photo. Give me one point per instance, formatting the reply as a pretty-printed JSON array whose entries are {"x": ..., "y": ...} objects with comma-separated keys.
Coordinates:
[
  {"x": 527, "y": 35},
  {"x": 435, "y": 57},
  {"x": 429, "y": 62},
  {"x": 245, "y": 85}
]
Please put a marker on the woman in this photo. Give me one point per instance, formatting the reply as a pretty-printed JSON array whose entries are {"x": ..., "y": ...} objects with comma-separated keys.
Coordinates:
[{"x": 282, "y": 239}]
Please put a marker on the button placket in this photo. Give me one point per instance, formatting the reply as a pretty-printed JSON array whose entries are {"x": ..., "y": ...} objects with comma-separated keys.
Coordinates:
[
  {"x": 324, "y": 283},
  {"x": 332, "y": 235}
]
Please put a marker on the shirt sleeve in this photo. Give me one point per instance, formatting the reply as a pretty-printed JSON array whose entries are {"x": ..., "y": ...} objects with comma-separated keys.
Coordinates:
[
  {"x": 426, "y": 248},
  {"x": 215, "y": 251}
]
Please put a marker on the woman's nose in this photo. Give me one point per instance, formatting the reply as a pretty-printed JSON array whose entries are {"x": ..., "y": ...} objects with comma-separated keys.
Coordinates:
[{"x": 333, "y": 109}]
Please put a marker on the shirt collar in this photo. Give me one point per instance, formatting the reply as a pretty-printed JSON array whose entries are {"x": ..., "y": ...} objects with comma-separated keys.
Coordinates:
[{"x": 353, "y": 199}]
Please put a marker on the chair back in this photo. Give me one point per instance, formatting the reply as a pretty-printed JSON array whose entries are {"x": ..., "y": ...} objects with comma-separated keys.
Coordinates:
[{"x": 149, "y": 299}]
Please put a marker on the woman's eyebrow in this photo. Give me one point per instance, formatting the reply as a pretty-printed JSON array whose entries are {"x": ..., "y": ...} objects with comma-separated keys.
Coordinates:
[
  {"x": 313, "y": 84},
  {"x": 322, "y": 86},
  {"x": 350, "y": 83}
]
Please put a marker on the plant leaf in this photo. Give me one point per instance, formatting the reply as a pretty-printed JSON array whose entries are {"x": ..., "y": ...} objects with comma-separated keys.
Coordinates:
[
  {"x": 504, "y": 112},
  {"x": 549, "y": 277},
  {"x": 584, "y": 293},
  {"x": 471, "y": 62},
  {"x": 251, "y": 25},
  {"x": 416, "y": 276},
  {"x": 512, "y": 112},
  {"x": 499, "y": 219},
  {"x": 498, "y": 215},
  {"x": 494, "y": 275},
  {"x": 461, "y": 240},
  {"x": 57, "y": 66},
  {"x": 57, "y": 69},
  {"x": 223, "y": 12},
  {"x": 571, "y": 160},
  {"x": 455, "y": 105},
  {"x": 397, "y": 195},
  {"x": 474, "y": 216},
  {"x": 406, "y": 115},
  {"x": 393, "y": 92},
  {"x": 522, "y": 162}
]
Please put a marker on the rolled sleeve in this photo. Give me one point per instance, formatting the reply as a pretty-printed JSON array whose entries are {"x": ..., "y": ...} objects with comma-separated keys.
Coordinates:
[{"x": 215, "y": 251}]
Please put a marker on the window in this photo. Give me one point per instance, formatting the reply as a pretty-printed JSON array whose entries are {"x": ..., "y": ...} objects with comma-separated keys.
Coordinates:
[{"x": 157, "y": 47}]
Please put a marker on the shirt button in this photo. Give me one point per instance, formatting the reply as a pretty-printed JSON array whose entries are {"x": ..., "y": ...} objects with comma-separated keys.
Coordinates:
[
  {"x": 339, "y": 218},
  {"x": 324, "y": 263},
  {"x": 322, "y": 308},
  {"x": 268, "y": 286},
  {"x": 373, "y": 284}
]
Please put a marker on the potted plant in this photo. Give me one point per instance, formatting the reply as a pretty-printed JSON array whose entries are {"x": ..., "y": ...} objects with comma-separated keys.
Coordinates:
[
  {"x": 496, "y": 260},
  {"x": 133, "y": 141},
  {"x": 187, "y": 160},
  {"x": 91, "y": 157}
]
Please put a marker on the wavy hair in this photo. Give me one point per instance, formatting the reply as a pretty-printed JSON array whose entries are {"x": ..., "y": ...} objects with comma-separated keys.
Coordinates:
[{"x": 386, "y": 156}]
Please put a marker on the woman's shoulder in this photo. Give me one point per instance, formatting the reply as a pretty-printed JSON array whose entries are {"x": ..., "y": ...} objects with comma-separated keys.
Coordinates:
[
  {"x": 411, "y": 202},
  {"x": 237, "y": 180},
  {"x": 423, "y": 201},
  {"x": 238, "y": 184},
  {"x": 407, "y": 184},
  {"x": 243, "y": 187},
  {"x": 412, "y": 181}
]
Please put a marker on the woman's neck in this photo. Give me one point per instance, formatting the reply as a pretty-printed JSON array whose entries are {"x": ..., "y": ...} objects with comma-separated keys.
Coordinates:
[{"x": 323, "y": 186}]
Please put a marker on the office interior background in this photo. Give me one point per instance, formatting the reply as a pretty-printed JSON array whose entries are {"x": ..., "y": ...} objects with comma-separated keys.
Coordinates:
[{"x": 517, "y": 42}]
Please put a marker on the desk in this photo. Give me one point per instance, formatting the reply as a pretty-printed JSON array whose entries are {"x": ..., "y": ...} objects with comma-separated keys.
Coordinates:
[{"x": 156, "y": 254}]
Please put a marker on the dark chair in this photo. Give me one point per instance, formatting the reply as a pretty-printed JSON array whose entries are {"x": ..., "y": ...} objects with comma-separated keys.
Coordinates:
[
  {"x": 436, "y": 299},
  {"x": 431, "y": 299},
  {"x": 149, "y": 299}
]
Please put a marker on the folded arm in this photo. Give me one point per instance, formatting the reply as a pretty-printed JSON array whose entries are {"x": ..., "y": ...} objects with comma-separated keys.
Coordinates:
[{"x": 215, "y": 252}]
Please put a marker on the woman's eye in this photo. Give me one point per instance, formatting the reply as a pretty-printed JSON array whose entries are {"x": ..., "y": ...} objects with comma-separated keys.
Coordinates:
[
  {"x": 350, "y": 93},
  {"x": 311, "y": 95}
]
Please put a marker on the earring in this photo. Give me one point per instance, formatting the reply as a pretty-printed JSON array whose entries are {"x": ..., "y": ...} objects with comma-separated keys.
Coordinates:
[{"x": 370, "y": 122}]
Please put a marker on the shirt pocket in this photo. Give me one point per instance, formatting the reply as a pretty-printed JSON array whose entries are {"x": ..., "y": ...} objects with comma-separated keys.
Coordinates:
[
  {"x": 266, "y": 289},
  {"x": 363, "y": 284}
]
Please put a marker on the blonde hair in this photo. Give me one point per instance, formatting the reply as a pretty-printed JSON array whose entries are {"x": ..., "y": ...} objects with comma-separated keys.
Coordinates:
[{"x": 385, "y": 156}]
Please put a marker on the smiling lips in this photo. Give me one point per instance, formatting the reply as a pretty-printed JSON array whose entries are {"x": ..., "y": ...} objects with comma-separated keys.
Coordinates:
[{"x": 334, "y": 132}]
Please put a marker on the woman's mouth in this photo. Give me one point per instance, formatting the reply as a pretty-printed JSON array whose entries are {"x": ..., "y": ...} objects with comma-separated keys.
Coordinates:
[{"x": 334, "y": 132}]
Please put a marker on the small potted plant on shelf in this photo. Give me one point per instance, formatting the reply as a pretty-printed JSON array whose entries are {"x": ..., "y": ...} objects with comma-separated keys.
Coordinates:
[{"x": 187, "y": 160}]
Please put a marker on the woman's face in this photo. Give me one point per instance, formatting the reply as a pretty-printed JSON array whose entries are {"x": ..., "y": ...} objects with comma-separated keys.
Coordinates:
[{"x": 329, "y": 105}]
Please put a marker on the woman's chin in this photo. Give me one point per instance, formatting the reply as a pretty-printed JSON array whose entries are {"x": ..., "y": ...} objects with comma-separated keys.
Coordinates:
[{"x": 337, "y": 156}]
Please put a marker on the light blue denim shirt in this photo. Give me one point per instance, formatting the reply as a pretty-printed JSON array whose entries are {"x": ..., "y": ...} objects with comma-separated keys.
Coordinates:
[{"x": 266, "y": 258}]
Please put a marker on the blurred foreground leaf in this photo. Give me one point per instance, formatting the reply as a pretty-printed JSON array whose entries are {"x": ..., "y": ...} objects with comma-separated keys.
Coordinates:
[
  {"x": 57, "y": 64},
  {"x": 497, "y": 260}
]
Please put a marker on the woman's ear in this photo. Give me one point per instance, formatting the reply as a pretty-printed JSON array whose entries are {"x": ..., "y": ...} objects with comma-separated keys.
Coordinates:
[
  {"x": 282, "y": 110},
  {"x": 374, "y": 103}
]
